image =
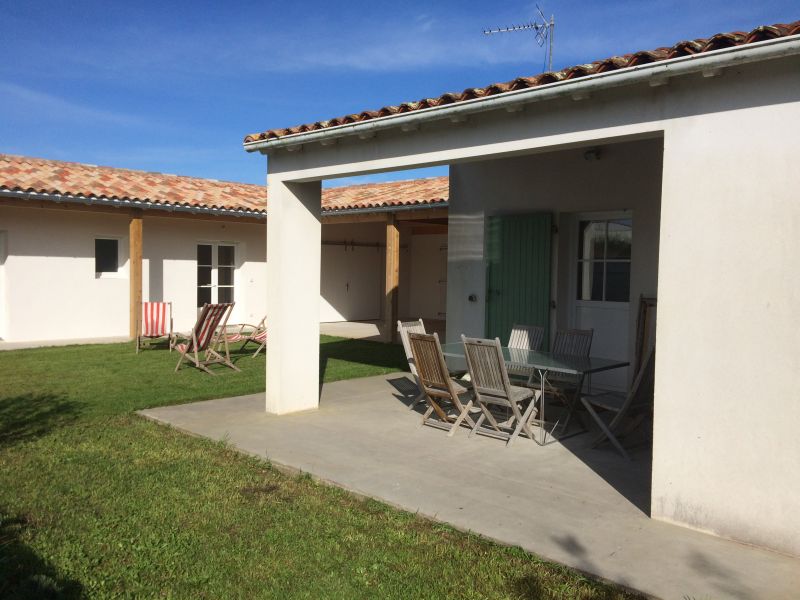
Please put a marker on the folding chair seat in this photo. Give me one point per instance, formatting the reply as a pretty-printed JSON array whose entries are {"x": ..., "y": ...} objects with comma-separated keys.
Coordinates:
[
  {"x": 449, "y": 402},
  {"x": 155, "y": 322},
  {"x": 492, "y": 388},
  {"x": 207, "y": 344},
  {"x": 256, "y": 334}
]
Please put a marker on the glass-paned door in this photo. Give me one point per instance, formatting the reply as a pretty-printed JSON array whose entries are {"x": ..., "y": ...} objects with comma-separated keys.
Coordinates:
[
  {"x": 603, "y": 288},
  {"x": 216, "y": 267}
]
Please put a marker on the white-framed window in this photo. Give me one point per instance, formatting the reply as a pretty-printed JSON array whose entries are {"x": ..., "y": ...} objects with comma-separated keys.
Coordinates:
[
  {"x": 216, "y": 272},
  {"x": 604, "y": 259},
  {"x": 110, "y": 257}
]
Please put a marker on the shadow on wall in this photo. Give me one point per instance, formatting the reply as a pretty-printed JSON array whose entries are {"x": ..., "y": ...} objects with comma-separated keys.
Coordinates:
[
  {"x": 30, "y": 416},
  {"x": 23, "y": 573}
]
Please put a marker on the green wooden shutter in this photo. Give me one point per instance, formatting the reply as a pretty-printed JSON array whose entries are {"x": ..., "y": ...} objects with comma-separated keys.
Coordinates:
[{"x": 518, "y": 273}]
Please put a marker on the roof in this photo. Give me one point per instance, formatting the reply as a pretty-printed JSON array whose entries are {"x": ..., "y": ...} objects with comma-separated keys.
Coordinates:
[
  {"x": 614, "y": 63},
  {"x": 22, "y": 175}
]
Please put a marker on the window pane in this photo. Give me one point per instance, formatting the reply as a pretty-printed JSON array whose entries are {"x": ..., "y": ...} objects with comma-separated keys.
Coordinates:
[
  {"x": 590, "y": 281},
  {"x": 225, "y": 256},
  {"x": 618, "y": 282},
  {"x": 106, "y": 254},
  {"x": 203, "y": 296},
  {"x": 225, "y": 276},
  {"x": 203, "y": 275},
  {"x": 203, "y": 254},
  {"x": 225, "y": 294},
  {"x": 619, "y": 238},
  {"x": 592, "y": 239}
]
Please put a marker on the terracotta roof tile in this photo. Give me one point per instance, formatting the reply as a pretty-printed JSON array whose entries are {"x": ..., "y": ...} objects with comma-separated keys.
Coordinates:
[
  {"x": 53, "y": 177},
  {"x": 684, "y": 48}
]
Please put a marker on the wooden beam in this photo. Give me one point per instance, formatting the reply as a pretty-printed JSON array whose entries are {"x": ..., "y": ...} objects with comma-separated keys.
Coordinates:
[
  {"x": 135, "y": 257},
  {"x": 392, "y": 279},
  {"x": 380, "y": 217},
  {"x": 422, "y": 213}
]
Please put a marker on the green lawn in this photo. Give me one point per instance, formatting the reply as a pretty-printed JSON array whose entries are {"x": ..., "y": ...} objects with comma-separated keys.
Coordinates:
[{"x": 97, "y": 502}]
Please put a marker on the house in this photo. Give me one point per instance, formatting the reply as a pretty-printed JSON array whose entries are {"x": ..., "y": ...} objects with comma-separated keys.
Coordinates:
[
  {"x": 82, "y": 245},
  {"x": 665, "y": 173}
]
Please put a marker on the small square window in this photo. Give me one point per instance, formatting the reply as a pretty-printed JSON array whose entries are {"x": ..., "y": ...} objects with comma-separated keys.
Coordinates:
[{"x": 106, "y": 256}]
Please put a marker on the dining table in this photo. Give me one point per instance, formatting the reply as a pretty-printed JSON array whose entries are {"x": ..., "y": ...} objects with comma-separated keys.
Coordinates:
[{"x": 545, "y": 365}]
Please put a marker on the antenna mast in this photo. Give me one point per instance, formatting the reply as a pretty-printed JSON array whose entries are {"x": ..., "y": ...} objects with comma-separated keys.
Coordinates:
[{"x": 542, "y": 29}]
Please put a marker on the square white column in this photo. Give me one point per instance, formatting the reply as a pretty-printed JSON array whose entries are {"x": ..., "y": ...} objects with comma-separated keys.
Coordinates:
[{"x": 293, "y": 287}]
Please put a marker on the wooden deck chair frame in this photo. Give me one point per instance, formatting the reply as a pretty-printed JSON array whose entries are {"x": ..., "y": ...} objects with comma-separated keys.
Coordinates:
[
  {"x": 141, "y": 330},
  {"x": 404, "y": 328},
  {"x": 257, "y": 335},
  {"x": 491, "y": 386},
  {"x": 439, "y": 387},
  {"x": 208, "y": 339},
  {"x": 639, "y": 400}
]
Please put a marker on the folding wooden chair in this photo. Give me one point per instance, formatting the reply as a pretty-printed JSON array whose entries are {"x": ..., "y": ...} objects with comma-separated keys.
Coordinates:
[
  {"x": 440, "y": 389},
  {"x": 566, "y": 388},
  {"x": 405, "y": 328},
  {"x": 155, "y": 321},
  {"x": 257, "y": 334},
  {"x": 628, "y": 410},
  {"x": 525, "y": 337},
  {"x": 208, "y": 338},
  {"x": 492, "y": 389}
]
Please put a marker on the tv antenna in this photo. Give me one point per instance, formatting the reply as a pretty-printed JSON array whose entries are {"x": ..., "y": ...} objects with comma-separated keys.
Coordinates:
[{"x": 542, "y": 29}]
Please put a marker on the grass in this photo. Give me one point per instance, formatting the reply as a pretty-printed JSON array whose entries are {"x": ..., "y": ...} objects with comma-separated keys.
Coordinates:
[{"x": 97, "y": 502}]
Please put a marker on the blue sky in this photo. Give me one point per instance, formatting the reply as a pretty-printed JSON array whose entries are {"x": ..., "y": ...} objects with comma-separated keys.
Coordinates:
[{"x": 174, "y": 86}]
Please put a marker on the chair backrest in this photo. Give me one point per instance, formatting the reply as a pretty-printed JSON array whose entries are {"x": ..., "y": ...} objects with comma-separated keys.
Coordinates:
[
  {"x": 573, "y": 342},
  {"x": 487, "y": 368},
  {"x": 526, "y": 337},
  {"x": 432, "y": 372},
  {"x": 643, "y": 386},
  {"x": 156, "y": 319},
  {"x": 404, "y": 328},
  {"x": 212, "y": 317}
]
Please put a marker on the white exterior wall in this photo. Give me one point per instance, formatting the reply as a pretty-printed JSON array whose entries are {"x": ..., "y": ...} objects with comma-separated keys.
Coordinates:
[
  {"x": 51, "y": 289},
  {"x": 726, "y": 447},
  {"x": 169, "y": 269}
]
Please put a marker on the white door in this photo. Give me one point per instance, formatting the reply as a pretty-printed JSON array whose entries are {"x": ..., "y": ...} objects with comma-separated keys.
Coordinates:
[{"x": 602, "y": 294}]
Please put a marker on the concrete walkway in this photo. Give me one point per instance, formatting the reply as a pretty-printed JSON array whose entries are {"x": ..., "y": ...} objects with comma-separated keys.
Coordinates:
[{"x": 580, "y": 507}]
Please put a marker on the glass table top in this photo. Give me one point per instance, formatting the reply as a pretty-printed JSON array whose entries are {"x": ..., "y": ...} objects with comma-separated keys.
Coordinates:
[{"x": 545, "y": 361}]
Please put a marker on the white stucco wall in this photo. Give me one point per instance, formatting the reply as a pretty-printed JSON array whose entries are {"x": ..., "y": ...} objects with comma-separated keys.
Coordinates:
[
  {"x": 52, "y": 292},
  {"x": 726, "y": 448}
]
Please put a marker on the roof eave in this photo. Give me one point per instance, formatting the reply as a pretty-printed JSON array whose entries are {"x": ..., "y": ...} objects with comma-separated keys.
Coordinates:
[{"x": 707, "y": 61}]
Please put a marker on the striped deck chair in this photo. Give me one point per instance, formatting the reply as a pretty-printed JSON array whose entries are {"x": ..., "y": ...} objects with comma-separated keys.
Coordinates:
[
  {"x": 251, "y": 333},
  {"x": 155, "y": 322},
  {"x": 207, "y": 344}
]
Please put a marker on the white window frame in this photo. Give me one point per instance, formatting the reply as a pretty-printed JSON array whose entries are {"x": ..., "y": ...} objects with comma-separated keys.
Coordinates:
[
  {"x": 122, "y": 257},
  {"x": 575, "y": 259},
  {"x": 214, "y": 285}
]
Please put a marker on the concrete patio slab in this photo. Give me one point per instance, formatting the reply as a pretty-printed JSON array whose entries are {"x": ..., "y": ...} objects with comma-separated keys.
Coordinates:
[{"x": 584, "y": 508}]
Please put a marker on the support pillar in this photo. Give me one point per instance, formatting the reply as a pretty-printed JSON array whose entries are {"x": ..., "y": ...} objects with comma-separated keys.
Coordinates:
[
  {"x": 392, "y": 282},
  {"x": 293, "y": 287},
  {"x": 135, "y": 275}
]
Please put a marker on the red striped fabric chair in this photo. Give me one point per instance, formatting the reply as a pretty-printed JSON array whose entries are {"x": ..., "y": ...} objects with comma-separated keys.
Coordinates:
[
  {"x": 155, "y": 322},
  {"x": 207, "y": 344},
  {"x": 251, "y": 333}
]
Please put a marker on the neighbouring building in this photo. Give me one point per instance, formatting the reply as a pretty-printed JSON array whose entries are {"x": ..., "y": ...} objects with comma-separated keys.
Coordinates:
[{"x": 80, "y": 245}]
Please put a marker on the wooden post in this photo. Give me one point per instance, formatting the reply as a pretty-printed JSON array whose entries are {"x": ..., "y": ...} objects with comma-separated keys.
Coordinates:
[
  {"x": 392, "y": 279},
  {"x": 135, "y": 257}
]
